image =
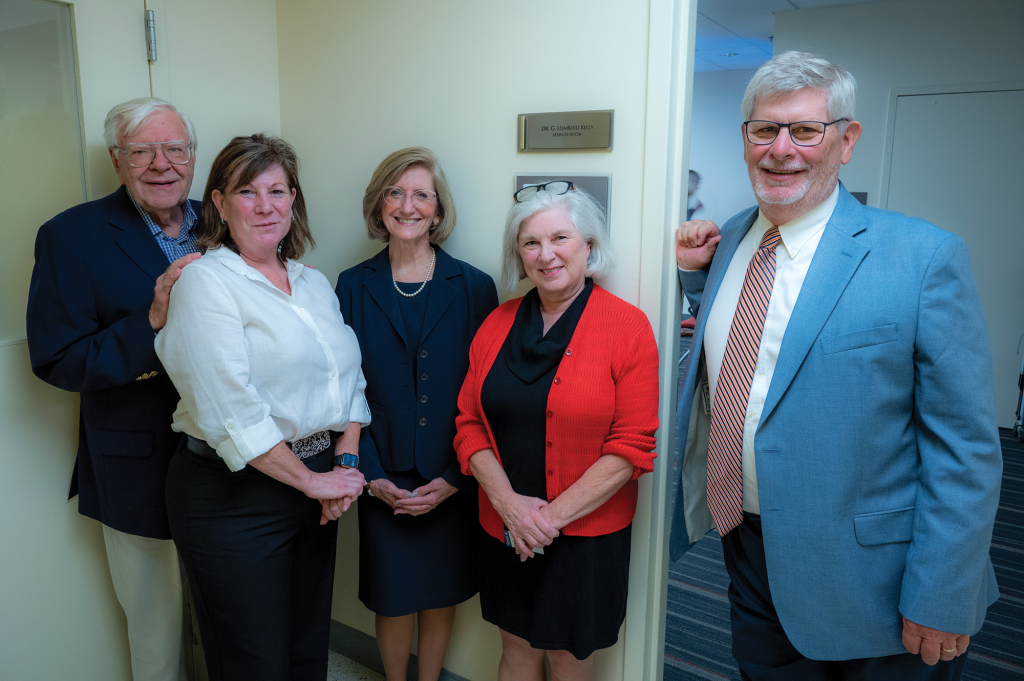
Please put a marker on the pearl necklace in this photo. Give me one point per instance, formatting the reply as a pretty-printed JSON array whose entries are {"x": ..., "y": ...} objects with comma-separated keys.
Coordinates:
[{"x": 433, "y": 257}]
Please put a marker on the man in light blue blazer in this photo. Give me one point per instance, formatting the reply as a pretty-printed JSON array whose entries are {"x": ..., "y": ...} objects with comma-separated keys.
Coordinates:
[{"x": 859, "y": 488}]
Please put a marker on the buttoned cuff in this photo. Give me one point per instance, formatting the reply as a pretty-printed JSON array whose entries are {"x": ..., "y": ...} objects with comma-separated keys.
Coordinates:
[{"x": 245, "y": 444}]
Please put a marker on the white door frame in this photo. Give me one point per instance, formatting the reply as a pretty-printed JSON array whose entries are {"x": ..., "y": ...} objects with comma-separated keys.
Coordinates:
[
  {"x": 890, "y": 121},
  {"x": 666, "y": 157}
]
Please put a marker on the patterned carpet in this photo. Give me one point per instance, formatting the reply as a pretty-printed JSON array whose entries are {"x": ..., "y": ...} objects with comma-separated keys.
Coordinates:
[{"x": 697, "y": 636}]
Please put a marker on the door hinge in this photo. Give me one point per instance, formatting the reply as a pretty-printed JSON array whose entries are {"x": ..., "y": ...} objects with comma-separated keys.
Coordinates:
[{"x": 150, "y": 35}]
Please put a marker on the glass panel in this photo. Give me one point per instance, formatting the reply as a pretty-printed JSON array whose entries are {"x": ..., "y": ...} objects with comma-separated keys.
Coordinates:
[{"x": 41, "y": 165}]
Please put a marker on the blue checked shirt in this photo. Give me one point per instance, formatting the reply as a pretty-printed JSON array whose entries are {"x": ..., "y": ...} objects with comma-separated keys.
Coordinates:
[{"x": 185, "y": 242}]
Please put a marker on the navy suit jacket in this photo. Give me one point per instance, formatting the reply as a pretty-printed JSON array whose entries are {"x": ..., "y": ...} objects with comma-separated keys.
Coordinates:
[
  {"x": 413, "y": 418},
  {"x": 89, "y": 332},
  {"x": 878, "y": 456}
]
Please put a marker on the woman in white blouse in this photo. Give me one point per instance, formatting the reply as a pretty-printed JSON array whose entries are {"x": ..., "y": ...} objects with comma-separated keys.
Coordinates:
[{"x": 271, "y": 404}]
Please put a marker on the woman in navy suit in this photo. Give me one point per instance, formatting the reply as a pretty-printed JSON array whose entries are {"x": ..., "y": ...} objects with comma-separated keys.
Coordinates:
[{"x": 415, "y": 310}]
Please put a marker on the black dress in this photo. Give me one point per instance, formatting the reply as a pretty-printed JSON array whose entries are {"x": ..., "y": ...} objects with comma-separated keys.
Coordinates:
[
  {"x": 412, "y": 563},
  {"x": 573, "y": 596}
]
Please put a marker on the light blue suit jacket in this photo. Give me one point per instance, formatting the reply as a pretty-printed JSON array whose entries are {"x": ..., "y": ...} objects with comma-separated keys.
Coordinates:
[{"x": 878, "y": 456}]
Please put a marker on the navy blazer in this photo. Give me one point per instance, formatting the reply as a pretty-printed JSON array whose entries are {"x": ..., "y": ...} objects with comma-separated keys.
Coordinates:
[
  {"x": 413, "y": 417},
  {"x": 89, "y": 332}
]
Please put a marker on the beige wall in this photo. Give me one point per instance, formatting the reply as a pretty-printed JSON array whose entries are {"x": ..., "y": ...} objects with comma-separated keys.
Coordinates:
[
  {"x": 360, "y": 80},
  {"x": 357, "y": 83}
]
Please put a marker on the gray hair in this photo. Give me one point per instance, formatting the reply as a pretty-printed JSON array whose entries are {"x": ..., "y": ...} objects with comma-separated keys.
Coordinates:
[
  {"x": 792, "y": 71},
  {"x": 128, "y": 117},
  {"x": 581, "y": 209}
]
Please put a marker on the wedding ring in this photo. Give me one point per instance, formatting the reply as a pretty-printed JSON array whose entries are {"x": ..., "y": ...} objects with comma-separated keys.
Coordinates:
[{"x": 949, "y": 650}]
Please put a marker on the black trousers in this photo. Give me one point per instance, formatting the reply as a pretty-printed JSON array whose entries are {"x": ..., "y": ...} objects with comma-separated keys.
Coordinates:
[
  {"x": 763, "y": 650},
  {"x": 260, "y": 565}
]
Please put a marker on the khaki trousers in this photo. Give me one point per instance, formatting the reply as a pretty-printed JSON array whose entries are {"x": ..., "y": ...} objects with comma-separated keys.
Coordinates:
[{"x": 147, "y": 582}]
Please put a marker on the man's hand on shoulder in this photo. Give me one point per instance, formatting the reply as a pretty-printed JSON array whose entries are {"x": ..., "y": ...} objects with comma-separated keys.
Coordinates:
[
  {"x": 696, "y": 243},
  {"x": 931, "y": 644},
  {"x": 162, "y": 291}
]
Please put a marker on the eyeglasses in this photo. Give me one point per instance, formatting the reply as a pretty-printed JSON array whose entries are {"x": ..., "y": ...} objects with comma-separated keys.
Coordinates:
[
  {"x": 177, "y": 152},
  {"x": 554, "y": 187},
  {"x": 803, "y": 133},
  {"x": 420, "y": 197}
]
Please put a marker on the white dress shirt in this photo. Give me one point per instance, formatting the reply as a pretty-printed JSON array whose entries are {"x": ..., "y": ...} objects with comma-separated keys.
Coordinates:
[
  {"x": 255, "y": 366},
  {"x": 793, "y": 256}
]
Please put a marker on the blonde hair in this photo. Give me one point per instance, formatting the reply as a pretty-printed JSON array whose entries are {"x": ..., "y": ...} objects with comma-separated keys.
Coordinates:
[{"x": 387, "y": 174}]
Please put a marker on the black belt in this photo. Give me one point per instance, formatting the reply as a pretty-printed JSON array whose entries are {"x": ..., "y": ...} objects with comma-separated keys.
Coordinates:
[{"x": 200, "y": 447}]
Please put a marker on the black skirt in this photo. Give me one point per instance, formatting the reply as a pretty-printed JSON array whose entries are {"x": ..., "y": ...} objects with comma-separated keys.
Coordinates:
[
  {"x": 412, "y": 563},
  {"x": 573, "y": 597}
]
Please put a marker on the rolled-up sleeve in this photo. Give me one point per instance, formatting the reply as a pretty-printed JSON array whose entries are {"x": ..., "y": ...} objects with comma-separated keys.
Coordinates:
[
  {"x": 359, "y": 412},
  {"x": 203, "y": 349},
  {"x": 635, "y": 422}
]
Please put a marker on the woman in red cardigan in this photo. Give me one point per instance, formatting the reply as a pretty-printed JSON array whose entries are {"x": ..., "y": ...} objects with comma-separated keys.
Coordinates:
[{"x": 557, "y": 420}]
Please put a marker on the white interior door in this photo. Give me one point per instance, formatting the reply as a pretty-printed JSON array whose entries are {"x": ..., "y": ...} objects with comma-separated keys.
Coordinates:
[
  {"x": 62, "y": 66},
  {"x": 956, "y": 163}
]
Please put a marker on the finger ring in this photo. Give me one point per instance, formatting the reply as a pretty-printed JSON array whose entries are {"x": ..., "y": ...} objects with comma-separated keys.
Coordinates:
[{"x": 949, "y": 650}]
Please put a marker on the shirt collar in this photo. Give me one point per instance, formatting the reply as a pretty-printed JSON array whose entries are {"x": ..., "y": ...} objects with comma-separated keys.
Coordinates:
[
  {"x": 799, "y": 231},
  {"x": 233, "y": 262},
  {"x": 189, "y": 219}
]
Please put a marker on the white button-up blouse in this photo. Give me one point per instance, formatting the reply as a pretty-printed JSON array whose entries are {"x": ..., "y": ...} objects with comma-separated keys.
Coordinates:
[{"x": 255, "y": 366}]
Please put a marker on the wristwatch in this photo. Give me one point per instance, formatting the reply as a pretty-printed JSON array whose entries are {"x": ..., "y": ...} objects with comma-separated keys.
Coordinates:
[{"x": 346, "y": 460}]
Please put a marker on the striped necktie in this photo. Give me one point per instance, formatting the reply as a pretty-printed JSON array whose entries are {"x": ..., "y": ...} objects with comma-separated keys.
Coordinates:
[{"x": 728, "y": 413}]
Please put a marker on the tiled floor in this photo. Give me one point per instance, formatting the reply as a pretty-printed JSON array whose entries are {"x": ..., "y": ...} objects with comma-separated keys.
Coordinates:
[{"x": 343, "y": 669}]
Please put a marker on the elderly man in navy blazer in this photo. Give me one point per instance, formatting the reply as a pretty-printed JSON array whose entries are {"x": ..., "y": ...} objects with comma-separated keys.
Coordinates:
[
  {"x": 838, "y": 417},
  {"x": 99, "y": 294}
]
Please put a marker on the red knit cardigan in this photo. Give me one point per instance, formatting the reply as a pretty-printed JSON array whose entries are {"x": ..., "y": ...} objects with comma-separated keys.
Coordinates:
[{"x": 604, "y": 400}]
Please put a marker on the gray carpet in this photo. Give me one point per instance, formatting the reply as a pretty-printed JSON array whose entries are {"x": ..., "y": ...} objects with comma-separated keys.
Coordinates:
[{"x": 698, "y": 634}]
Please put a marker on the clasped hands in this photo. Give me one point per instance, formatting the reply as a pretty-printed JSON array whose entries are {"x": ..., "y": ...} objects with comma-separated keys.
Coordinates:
[
  {"x": 421, "y": 500},
  {"x": 336, "y": 490},
  {"x": 528, "y": 521}
]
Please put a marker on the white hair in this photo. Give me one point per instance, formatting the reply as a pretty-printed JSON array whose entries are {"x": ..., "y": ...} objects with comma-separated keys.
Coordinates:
[
  {"x": 792, "y": 71},
  {"x": 582, "y": 210},
  {"x": 125, "y": 119}
]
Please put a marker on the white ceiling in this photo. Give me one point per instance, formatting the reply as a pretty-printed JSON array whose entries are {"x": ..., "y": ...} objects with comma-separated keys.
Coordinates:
[{"x": 742, "y": 29}]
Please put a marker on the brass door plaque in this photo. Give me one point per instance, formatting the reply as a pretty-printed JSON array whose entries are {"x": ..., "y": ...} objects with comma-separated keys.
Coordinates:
[{"x": 566, "y": 131}]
